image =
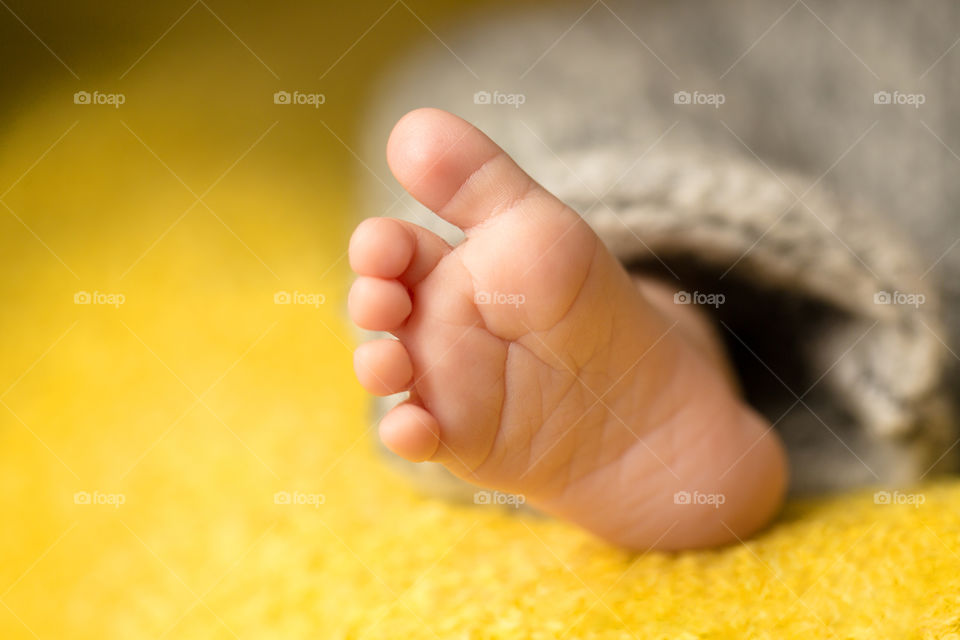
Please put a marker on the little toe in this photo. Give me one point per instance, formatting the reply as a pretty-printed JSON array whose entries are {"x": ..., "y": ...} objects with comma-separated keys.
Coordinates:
[
  {"x": 383, "y": 367},
  {"x": 376, "y": 304},
  {"x": 411, "y": 432}
]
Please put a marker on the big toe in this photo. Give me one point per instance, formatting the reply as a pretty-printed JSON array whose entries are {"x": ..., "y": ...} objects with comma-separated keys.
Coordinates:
[{"x": 454, "y": 169}]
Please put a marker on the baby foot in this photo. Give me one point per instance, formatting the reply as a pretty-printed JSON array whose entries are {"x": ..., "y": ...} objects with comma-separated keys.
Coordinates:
[{"x": 537, "y": 366}]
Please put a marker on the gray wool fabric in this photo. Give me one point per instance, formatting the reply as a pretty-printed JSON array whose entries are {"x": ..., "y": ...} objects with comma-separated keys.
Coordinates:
[{"x": 792, "y": 165}]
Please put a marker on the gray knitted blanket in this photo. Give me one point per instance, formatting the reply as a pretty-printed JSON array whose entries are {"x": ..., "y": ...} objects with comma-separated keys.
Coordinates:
[{"x": 792, "y": 164}]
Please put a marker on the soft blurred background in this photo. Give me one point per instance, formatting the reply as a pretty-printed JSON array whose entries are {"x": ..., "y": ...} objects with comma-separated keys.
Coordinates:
[{"x": 150, "y": 440}]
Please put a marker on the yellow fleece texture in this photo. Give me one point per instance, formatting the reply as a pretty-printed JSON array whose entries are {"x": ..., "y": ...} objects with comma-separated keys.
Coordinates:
[{"x": 184, "y": 452}]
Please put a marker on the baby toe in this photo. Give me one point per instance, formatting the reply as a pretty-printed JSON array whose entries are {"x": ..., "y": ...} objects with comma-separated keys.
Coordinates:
[
  {"x": 411, "y": 432},
  {"x": 381, "y": 247},
  {"x": 376, "y": 304},
  {"x": 454, "y": 169},
  {"x": 383, "y": 367}
]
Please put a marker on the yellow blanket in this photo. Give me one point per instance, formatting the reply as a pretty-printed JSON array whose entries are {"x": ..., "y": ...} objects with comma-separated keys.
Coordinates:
[{"x": 183, "y": 449}]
